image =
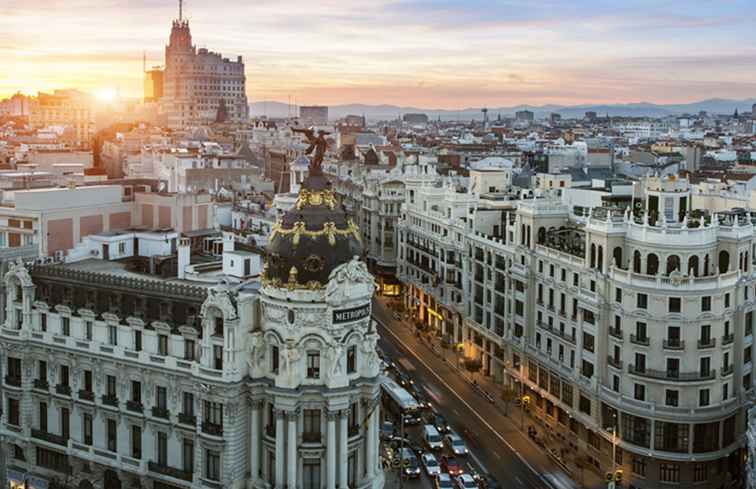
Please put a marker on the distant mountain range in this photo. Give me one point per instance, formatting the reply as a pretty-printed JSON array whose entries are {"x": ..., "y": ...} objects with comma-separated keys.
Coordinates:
[{"x": 641, "y": 109}]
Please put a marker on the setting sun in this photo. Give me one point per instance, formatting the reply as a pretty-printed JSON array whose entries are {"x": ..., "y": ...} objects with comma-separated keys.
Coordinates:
[{"x": 106, "y": 94}]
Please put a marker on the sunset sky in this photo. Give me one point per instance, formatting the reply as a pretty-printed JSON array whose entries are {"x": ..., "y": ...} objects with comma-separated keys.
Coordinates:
[{"x": 426, "y": 53}]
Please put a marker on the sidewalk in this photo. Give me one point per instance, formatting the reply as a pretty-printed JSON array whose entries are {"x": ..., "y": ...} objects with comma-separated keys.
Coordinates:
[{"x": 557, "y": 447}]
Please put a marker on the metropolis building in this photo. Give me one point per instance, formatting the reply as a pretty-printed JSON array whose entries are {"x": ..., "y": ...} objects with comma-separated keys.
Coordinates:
[{"x": 113, "y": 378}]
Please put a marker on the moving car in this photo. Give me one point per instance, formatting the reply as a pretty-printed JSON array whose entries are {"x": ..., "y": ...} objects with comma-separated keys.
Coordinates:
[
  {"x": 466, "y": 481},
  {"x": 456, "y": 444},
  {"x": 432, "y": 468},
  {"x": 443, "y": 481},
  {"x": 432, "y": 438},
  {"x": 411, "y": 468},
  {"x": 451, "y": 466},
  {"x": 441, "y": 425}
]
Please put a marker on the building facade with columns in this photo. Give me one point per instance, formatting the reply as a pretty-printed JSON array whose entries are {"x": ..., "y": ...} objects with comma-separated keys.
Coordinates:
[
  {"x": 635, "y": 323},
  {"x": 113, "y": 378}
]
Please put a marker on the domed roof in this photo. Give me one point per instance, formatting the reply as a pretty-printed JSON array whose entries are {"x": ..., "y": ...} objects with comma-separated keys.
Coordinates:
[{"x": 311, "y": 239}]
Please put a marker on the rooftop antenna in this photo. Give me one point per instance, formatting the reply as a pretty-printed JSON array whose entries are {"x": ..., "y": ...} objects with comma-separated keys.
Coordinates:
[{"x": 181, "y": 10}]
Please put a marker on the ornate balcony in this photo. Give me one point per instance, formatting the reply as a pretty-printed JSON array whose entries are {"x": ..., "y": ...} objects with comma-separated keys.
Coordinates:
[
  {"x": 617, "y": 333},
  {"x": 63, "y": 389},
  {"x": 212, "y": 428},
  {"x": 728, "y": 338},
  {"x": 160, "y": 412},
  {"x": 135, "y": 406},
  {"x": 614, "y": 362},
  {"x": 49, "y": 437},
  {"x": 638, "y": 340},
  {"x": 187, "y": 419},
  {"x": 673, "y": 344},
  {"x": 86, "y": 395},
  {"x": 41, "y": 384},
  {"x": 308, "y": 437},
  {"x": 185, "y": 475},
  {"x": 707, "y": 343},
  {"x": 14, "y": 380},
  {"x": 673, "y": 375},
  {"x": 110, "y": 400}
]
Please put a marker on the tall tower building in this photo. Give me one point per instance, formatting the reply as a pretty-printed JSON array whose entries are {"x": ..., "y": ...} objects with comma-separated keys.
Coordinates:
[{"x": 196, "y": 80}]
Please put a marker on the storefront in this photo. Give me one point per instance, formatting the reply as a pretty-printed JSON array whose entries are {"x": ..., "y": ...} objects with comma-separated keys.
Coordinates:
[{"x": 18, "y": 479}]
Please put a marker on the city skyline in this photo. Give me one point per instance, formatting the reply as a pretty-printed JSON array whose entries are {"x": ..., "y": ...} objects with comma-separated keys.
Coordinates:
[{"x": 444, "y": 55}]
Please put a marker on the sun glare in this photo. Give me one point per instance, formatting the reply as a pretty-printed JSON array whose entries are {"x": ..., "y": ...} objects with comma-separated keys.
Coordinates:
[{"x": 106, "y": 94}]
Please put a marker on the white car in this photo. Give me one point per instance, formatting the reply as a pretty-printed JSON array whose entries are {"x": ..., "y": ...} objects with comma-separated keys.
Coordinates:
[
  {"x": 431, "y": 465},
  {"x": 466, "y": 481},
  {"x": 456, "y": 444},
  {"x": 443, "y": 481}
]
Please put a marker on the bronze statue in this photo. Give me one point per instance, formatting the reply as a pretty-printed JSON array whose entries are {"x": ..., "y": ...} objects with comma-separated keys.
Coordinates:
[{"x": 317, "y": 144}]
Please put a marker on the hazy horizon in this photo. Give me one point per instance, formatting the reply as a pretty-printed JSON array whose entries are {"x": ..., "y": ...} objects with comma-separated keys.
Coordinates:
[{"x": 436, "y": 54}]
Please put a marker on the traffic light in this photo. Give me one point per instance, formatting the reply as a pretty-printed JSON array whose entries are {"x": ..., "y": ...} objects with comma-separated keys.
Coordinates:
[
  {"x": 618, "y": 475},
  {"x": 609, "y": 477}
]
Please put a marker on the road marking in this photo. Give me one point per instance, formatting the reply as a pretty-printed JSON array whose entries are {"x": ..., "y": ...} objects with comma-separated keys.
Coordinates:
[
  {"x": 482, "y": 420},
  {"x": 456, "y": 412},
  {"x": 519, "y": 481}
]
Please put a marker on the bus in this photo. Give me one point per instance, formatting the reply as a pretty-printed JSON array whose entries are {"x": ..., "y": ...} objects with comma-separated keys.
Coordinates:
[{"x": 400, "y": 402}]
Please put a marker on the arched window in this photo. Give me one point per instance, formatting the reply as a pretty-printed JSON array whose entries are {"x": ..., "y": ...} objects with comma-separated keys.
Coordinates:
[
  {"x": 637, "y": 262},
  {"x": 652, "y": 264},
  {"x": 617, "y": 255},
  {"x": 693, "y": 265},
  {"x": 724, "y": 261},
  {"x": 673, "y": 263}
]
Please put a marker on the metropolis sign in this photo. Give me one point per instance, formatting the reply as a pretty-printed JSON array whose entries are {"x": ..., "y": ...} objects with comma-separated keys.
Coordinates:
[{"x": 353, "y": 314}]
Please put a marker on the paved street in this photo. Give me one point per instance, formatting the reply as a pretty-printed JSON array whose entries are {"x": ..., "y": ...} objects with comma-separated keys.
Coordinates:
[{"x": 500, "y": 449}]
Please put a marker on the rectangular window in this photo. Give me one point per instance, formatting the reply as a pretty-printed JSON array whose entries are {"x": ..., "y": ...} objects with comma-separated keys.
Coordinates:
[
  {"x": 43, "y": 416},
  {"x": 214, "y": 413},
  {"x": 274, "y": 359},
  {"x": 640, "y": 392},
  {"x": 111, "y": 386},
  {"x": 703, "y": 397},
  {"x": 187, "y": 405},
  {"x": 161, "y": 397},
  {"x": 88, "y": 330},
  {"x": 351, "y": 359},
  {"x": 669, "y": 472},
  {"x": 700, "y": 472},
  {"x": 727, "y": 300},
  {"x": 642, "y": 301},
  {"x": 113, "y": 335},
  {"x": 163, "y": 345},
  {"x": 313, "y": 365},
  {"x": 587, "y": 370},
  {"x": 136, "y": 442},
  {"x": 218, "y": 357},
  {"x": 136, "y": 391},
  {"x": 675, "y": 304},
  {"x": 162, "y": 448},
  {"x": 112, "y": 430},
  {"x": 588, "y": 342},
  {"x": 311, "y": 428},
  {"x": 65, "y": 423},
  {"x": 212, "y": 465},
  {"x": 584, "y": 405},
  {"x": 672, "y": 398},
  {"x": 189, "y": 350},
  {"x": 618, "y": 295},
  {"x": 14, "y": 414},
  {"x": 42, "y": 371},
  {"x": 311, "y": 478},
  {"x": 639, "y": 466},
  {"x": 64, "y": 375},
  {"x": 187, "y": 448},
  {"x": 705, "y": 303},
  {"x": 218, "y": 330},
  {"x": 65, "y": 326},
  {"x": 86, "y": 428},
  {"x": 137, "y": 340},
  {"x": 43, "y": 322}
]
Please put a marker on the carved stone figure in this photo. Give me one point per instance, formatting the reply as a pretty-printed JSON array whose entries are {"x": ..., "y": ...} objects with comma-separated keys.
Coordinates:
[
  {"x": 256, "y": 350},
  {"x": 336, "y": 358},
  {"x": 291, "y": 357},
  {"x": 317, "y": 144},
  {"x": 349, "y": 280}
]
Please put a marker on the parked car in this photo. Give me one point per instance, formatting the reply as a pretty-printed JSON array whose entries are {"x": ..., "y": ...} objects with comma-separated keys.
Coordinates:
[
  {"x": 432, "y": 468},
  {"x": 443, "y": 481},
  {"x": 441, "y": 424},
  {"x": 451, "y": 466},
  {"x": 465, "y": 481},
  {"x": 455, "y": 444}
]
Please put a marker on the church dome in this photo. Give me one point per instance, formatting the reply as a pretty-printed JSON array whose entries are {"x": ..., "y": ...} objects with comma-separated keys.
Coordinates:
[{"x": 311, "y": 239}]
